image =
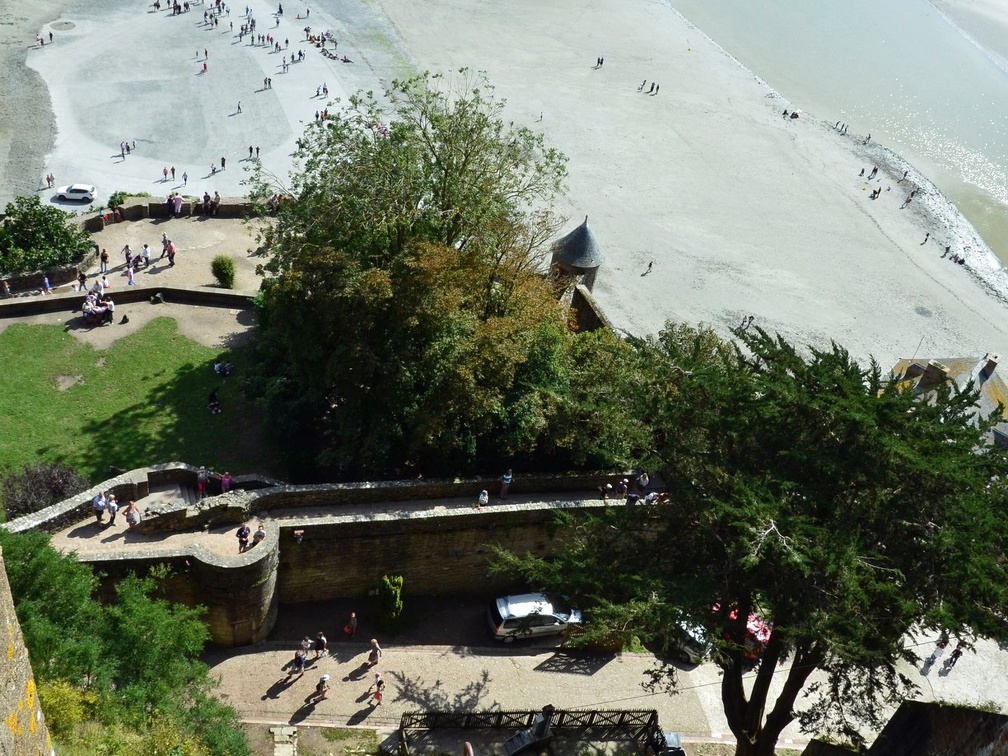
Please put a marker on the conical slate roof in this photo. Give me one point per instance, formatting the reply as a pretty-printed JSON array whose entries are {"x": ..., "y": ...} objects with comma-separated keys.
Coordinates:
[{"x": 578, "y": 249}]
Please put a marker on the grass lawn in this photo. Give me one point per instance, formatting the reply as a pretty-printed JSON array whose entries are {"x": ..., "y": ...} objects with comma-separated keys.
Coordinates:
[{"x": 141, "y": 402}]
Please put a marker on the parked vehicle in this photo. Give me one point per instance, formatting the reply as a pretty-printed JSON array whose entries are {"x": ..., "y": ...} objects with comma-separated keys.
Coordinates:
[
  {"x": 530, "y": 615},
  {"x": 81, "y": 192}
]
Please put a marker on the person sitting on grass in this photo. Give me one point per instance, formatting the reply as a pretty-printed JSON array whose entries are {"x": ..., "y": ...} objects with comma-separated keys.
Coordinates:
[{"x": 213, "y": 403}]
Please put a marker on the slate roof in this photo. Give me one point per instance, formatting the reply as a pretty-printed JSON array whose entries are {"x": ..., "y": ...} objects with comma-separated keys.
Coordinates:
[
  {"x": 913, "y": 374},
  {"x": 578, "y": 249}
]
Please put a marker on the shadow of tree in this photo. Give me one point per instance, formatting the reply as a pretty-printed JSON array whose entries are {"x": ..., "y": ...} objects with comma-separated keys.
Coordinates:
[
  {"x": 165, "y": 380},
  {"x": 437, "y": 697}
]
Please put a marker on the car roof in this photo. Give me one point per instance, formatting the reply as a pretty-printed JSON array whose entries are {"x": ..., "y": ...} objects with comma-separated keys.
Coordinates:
[
  {"x": 82, "y": 187},
  {"x": 524, "y": 604}
]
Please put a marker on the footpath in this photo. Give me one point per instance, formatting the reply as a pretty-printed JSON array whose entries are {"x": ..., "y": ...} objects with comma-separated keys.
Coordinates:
[{"x": 472, "y": 678}]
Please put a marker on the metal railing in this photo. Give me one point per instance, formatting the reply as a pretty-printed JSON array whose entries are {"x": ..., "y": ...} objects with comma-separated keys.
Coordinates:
[{"x": 641, "y": 725}]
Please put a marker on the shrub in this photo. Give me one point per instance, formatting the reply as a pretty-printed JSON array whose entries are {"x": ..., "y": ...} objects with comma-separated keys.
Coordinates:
[
  {"x": 66, "y": 706},
  {"x": 223, "y": 269},
  {"x": 390, "y": 598},
  {"x": 38, "y": 486},
  {"x": 116, "y": 199}
]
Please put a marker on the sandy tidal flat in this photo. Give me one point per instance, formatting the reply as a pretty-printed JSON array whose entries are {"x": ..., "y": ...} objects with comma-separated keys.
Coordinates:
[{"x": 742, "y": 211}]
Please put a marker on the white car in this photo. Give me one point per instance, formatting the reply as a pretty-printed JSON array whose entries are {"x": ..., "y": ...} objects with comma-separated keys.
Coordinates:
[
  {"x": 82, "y": 192},
  {"x": 530, "y": 615}
]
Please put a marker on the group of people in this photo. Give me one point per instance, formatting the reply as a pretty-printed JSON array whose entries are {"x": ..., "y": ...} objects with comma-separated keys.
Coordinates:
[
  {"x": 320, "y": 645},
  {"x": 98, "y": 308},
  {"x": 639, "y": 492},
  {"x": 105, "y": 503},
  {"x": 245, "y": 533}
]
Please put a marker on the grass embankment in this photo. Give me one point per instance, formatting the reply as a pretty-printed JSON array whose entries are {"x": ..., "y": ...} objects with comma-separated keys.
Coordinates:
[{"x": 141, "y": 402}]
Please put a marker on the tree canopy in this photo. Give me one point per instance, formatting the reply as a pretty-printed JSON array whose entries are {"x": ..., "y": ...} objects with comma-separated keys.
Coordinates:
[
  {"x": 406, "y": 324},
  {"x": 37, "y": 237},
  {"x": 811, "y": 492}
]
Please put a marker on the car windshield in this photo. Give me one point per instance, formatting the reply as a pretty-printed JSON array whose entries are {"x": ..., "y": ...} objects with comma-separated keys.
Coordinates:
[{"x": 561, "y": 606}]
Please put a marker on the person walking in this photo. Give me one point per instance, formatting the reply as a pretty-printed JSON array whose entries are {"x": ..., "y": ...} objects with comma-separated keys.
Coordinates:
[
  {"x": 955, "y": 655},
  {"x": 239, "y": 106},
  {"x": 103, "y": 268},
  {"x": 379, "y": 691},
  {"x": 350, "y": 630},
  {"x": 940, "y": 647},
  {"x": 164, "y": 172},
  {"x": 505, "y": 483},
  {"x": 375, "y": 655},
  {"x": 112, "y": 507},
  {"x": 297, "y": 665},
  {"x": 321, "y": 645},
  {"x": 223, "y": 162},
  {"x": 185, "y": 178},
  {"x": 322, "y": 689},
  {"x": 98, "y": 507},
  {"x": 173, "y": 173},
  {"x": 132, "y": 512}
]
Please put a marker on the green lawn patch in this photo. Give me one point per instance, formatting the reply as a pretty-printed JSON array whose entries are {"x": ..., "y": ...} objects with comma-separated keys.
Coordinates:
[{"x": 141, "y": 402}]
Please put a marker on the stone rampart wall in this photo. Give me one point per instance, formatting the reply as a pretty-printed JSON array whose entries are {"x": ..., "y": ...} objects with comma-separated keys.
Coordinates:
[
  {"x": 438, "y": 550},
  {"x": 24, "y": 730}
]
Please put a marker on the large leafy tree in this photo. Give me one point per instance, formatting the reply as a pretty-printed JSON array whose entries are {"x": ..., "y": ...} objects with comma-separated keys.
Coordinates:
[
  {"x": 35, "y": 237},
  {"x": 813, "y": 493},
  {"x": 405, "y": 324}
]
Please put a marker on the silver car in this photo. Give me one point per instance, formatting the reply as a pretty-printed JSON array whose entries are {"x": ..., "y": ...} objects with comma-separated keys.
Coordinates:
[{"x": 530, "y": 615}]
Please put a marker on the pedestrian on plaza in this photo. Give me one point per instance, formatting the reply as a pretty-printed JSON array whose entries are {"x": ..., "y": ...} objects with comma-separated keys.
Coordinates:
[
  {"x": 940, "y": 647},
  {"x": 46, "y": 287},
  {"x": 257, "y": 150},
  {"x": 164, "y": 172},
  {"x": 955, "y": 655},
  {"x": 296, "y": 665},
  {"x": 322, "y": 688},
  {"x": 170, "y": 250},
  {"x": 350, "y": 629},
  {"x": 103, "y": 268},
  {"x": 376, "y": 697},
  {"x": 173, "y": 173},
  {"x": 223, "y": 162},
  {"x": 321, "y": 645},
  {"x": 505, "y": 483},
  {"x": 145, "y": 255},
  {"x": 185, "y": 178},
  {"x": 375, "y": 655},
  {"x": 250, "y": 152}
]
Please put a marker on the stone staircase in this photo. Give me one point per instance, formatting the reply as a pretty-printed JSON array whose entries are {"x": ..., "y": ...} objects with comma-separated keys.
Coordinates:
[{"x": 170, "y": 496}]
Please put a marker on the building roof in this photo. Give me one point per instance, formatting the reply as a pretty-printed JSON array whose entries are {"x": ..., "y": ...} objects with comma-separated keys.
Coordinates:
[
  {"x": 923, "y": 375},
  {"x": 932, "y": 729},
  {"x": 578, "y": 249}
]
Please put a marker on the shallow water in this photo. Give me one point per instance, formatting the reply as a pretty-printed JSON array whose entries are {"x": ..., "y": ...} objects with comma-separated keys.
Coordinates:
[{"x": 900, "y": 70}]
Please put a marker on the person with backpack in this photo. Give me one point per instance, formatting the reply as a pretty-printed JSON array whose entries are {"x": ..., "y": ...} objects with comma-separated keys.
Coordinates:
[{"x": 322, "y": 688}]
